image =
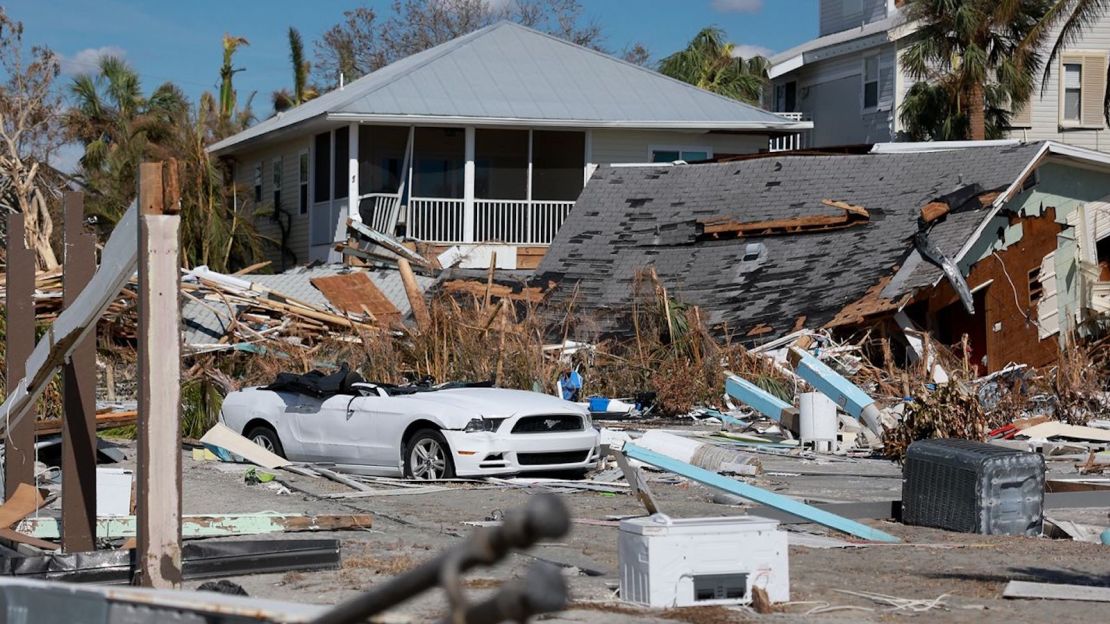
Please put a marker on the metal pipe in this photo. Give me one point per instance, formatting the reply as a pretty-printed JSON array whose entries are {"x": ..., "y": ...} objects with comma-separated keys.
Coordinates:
[
  {"x": 543, "y": 590},
  {"x": 545, "y": 517}
]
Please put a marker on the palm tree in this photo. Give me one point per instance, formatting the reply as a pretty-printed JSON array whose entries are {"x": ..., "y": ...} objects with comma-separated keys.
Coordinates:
[
  {"x": 930, "y": 113},
  {"x": 118, "y": 128},
  {"x": 707, "y": 62},
  {"x": 302, "y": 91},
  {"x": 228, "y": 106},
  {"x": 965, "y": 45}
]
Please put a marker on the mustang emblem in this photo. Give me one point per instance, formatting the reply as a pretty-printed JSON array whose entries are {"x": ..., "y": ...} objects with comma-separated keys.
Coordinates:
[{"x": 550, "y": 423}]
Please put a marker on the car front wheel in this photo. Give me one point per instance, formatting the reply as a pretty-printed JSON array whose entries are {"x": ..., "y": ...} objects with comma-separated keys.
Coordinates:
[
  {"x": 267, "y": 438},
  {"x": 427, "y": 456}
]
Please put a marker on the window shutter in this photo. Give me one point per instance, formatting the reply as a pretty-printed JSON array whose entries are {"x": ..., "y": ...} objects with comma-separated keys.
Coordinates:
[{"x": 1094, "y": 90}]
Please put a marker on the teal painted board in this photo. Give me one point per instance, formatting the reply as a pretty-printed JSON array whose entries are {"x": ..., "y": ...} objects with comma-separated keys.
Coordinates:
[
  {"x": 759, "y": 495},
  {"x": 830, "y": 383},
  {"x": 757, "y": 398}
]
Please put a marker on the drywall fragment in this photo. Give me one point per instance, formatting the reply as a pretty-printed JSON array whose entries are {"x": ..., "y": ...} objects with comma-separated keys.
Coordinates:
[{"x": 1053, "y": 591}]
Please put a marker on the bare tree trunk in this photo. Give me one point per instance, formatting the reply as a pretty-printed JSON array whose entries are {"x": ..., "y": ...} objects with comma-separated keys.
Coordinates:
[{"x": 976, "y": 112}]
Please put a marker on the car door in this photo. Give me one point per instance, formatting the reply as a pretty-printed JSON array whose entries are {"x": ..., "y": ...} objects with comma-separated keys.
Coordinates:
[
  {"x": 374, "y": 431},
  {"x": 322, "y": 430}
]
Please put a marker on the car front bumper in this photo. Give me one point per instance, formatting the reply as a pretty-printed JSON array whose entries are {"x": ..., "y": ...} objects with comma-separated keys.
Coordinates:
[{"x": 485, "y": 453}]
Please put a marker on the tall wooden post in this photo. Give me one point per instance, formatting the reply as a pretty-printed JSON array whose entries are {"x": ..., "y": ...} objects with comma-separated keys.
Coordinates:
[
  {"x": 19, "y": 451},
  {"x": 159, "y": 458},
  {"x": 79, "y": 391}
]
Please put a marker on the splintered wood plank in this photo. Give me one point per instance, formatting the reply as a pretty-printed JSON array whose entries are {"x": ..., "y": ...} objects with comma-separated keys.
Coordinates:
[
  {"x": 933, "y": 210},
  {"x": 845, "y": 206},
  {"x": 355, "y": 291}
]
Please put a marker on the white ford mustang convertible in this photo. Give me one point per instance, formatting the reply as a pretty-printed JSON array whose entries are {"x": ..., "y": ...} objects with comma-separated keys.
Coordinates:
[{"x": 421, "y": 432}]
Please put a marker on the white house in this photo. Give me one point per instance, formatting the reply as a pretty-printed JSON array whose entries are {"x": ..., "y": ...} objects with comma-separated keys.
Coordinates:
[
  {"x": 487, "y": 138},
  {"x": 850, "y": 83}
]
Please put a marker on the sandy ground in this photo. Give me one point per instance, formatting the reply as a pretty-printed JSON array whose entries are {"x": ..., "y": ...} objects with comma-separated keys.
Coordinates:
[{"x": 970, "y": 571}]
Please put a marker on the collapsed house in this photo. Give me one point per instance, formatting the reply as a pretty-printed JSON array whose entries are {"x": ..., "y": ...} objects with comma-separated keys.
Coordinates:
[{"x": 769, "y": 245}]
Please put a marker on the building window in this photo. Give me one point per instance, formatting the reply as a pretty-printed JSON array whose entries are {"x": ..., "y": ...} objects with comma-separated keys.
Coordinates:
[
  {"x": 321, "y": 173},
  {"x": 302, "y": 172},
  {"x": 786, "y": 97},
  {"x": 1073, "y": 91},
  {"x": 871, "y": 82},
  {"x": 258, "y": 182},
  {"x": 276, "y": 179},
  {"x": 342, "y": 163},
  {"x": 689, "y": 154},
  {"x": 1036, "y": 290}
]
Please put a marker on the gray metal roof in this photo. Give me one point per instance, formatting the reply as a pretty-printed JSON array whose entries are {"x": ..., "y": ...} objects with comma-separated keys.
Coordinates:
[
  {"x": 507, "y": 73},
  {"x": 207, "y": 323},
  {"x": 629, "y": 218}
]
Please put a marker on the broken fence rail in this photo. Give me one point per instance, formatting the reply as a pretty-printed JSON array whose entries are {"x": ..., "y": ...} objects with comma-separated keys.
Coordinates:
[
  {"x": 222, "y": 525},
  {"x": 759, "y": 495}
]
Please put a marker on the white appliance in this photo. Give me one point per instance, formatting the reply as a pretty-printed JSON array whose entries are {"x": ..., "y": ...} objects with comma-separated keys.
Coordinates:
[{"x": 681, "y": 562}]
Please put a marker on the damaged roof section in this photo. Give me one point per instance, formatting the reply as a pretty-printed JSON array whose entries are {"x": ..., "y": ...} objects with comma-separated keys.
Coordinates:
[{"x": 762, "y": 243}]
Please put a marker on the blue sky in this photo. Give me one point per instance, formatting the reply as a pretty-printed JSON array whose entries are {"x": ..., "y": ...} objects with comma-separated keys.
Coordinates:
[{"x": 180, "y": 41}]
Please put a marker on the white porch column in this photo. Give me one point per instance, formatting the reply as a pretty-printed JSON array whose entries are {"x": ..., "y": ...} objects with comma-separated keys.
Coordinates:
[
  {"x": 588, "y": 169},
  {"x": 352, "y": 173},
  {"x": 468, "y": 188},
  {"x": 528, "y": 237}
]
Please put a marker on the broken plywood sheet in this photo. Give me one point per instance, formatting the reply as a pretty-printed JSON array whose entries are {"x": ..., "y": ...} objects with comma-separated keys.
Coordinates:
[
  {"x": 220, "y": 435},
  {"x": 1047, "y": 430},
  {"x": 1053, "y": 591},
  {"x": 356, "y": 294}
]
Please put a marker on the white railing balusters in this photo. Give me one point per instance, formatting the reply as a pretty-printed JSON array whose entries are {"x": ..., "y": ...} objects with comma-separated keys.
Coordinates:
[{"x": 513, "y": 221}]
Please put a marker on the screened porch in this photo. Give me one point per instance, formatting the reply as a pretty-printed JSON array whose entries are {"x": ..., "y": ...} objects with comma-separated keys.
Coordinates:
[{"x": 449, "y": 185}]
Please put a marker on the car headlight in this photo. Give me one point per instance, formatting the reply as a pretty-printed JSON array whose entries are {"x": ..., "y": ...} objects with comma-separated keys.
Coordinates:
[{"x": 477, "y": 425}]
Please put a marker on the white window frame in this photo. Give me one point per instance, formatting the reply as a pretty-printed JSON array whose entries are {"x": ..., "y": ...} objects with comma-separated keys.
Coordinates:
[
  {"x": 680, "y": 149},
  {"x": 878, "y": 83},
  {"x": 277, "y": 173},
  {"x": 1063, "y": 120},
  {"x": 258, "y": 182},
  {"x": 305, "y": 182}
]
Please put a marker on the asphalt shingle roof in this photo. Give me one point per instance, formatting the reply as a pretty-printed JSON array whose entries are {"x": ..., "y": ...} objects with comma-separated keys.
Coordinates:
[{"x": 629, "y": 218}]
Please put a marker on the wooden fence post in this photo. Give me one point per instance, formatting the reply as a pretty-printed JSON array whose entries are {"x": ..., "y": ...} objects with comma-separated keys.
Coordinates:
[
  {"x": 79, "y": 391},
  {"x": 159, "y": 458},
  {"x": 19, "y": 445}
]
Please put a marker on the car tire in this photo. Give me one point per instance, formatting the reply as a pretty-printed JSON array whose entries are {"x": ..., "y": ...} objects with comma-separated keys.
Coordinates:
[
  {"x": 267, "y": 438},
  {"x": 427, "y": 456}
]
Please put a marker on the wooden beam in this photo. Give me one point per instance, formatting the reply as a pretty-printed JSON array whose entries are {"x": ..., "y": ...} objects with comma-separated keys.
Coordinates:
[
  {"x": 933, "y": 210},
  {"x": 79, "y": 391},
  {"x": 158, "y": 508},
  {"x": 796, "y": 225},
  {"x": 415, "y": 295},
  {"x": 846, "y": 207},
  {"x": 19, "y": 449}
]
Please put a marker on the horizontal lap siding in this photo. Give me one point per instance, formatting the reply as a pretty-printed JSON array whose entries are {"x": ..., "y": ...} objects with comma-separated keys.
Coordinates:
[
  {"x": 266, "y": 225},
  {"x": 633, "y": 146},
  {"x": 833, "y": 18}
]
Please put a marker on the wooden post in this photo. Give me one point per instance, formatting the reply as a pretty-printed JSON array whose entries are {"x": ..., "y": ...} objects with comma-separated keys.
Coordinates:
[
  {"x": 416, "y": 297},
  {"x": 19, "y": 445},
  {"x": 79, "y": 392},
  {"x": 159, "y": 459}
]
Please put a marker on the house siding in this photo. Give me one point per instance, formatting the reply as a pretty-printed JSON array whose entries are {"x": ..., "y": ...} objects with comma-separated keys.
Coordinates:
[
  {"x": 840, "y": 80},
  {"x": 834, "y": 19},
  {"x": 1045, "y": 113},
  {"x": 264, "y": 220},
  {"x": 634, "y": 146}
]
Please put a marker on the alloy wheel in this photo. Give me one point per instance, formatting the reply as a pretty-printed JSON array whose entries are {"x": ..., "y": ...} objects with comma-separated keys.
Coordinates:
[{"x": 428, "y": 460}]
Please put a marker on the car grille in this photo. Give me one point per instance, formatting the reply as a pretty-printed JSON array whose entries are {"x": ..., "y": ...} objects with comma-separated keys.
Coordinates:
[
  {"x": 544, "y": 459},
  {"x": 548, "y": 424}
]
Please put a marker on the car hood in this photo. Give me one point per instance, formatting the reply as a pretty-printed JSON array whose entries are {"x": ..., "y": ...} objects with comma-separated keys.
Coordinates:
[{"x": 459, "y": 405}]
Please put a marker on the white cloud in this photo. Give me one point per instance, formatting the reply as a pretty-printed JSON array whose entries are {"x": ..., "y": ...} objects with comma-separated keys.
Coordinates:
[
  {"x": 87, "y": 60},
  {"x": 737, "y": 6},
  {"x": 744, "y": 50}
]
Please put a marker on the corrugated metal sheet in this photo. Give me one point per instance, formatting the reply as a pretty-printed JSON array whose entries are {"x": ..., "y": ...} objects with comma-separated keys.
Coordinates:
[{"x": 510, "y": 72}]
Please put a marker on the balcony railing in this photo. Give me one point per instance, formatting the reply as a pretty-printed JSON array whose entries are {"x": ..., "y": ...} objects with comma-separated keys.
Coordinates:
[
  {"x": 516, "y": 221},
  {"x": 793, "y": 141},
  {"x": 383, "y": 209}
]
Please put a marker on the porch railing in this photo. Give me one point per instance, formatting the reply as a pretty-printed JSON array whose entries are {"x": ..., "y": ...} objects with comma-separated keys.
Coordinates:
[
  {"x": 517, "y": 221},
  {"x": 382, "y": 208},
  {"x": 794, "y": 141}
]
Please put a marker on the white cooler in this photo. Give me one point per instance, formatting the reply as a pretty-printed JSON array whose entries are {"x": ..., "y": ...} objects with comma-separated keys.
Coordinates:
[{"x": 671, "y": 562}]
